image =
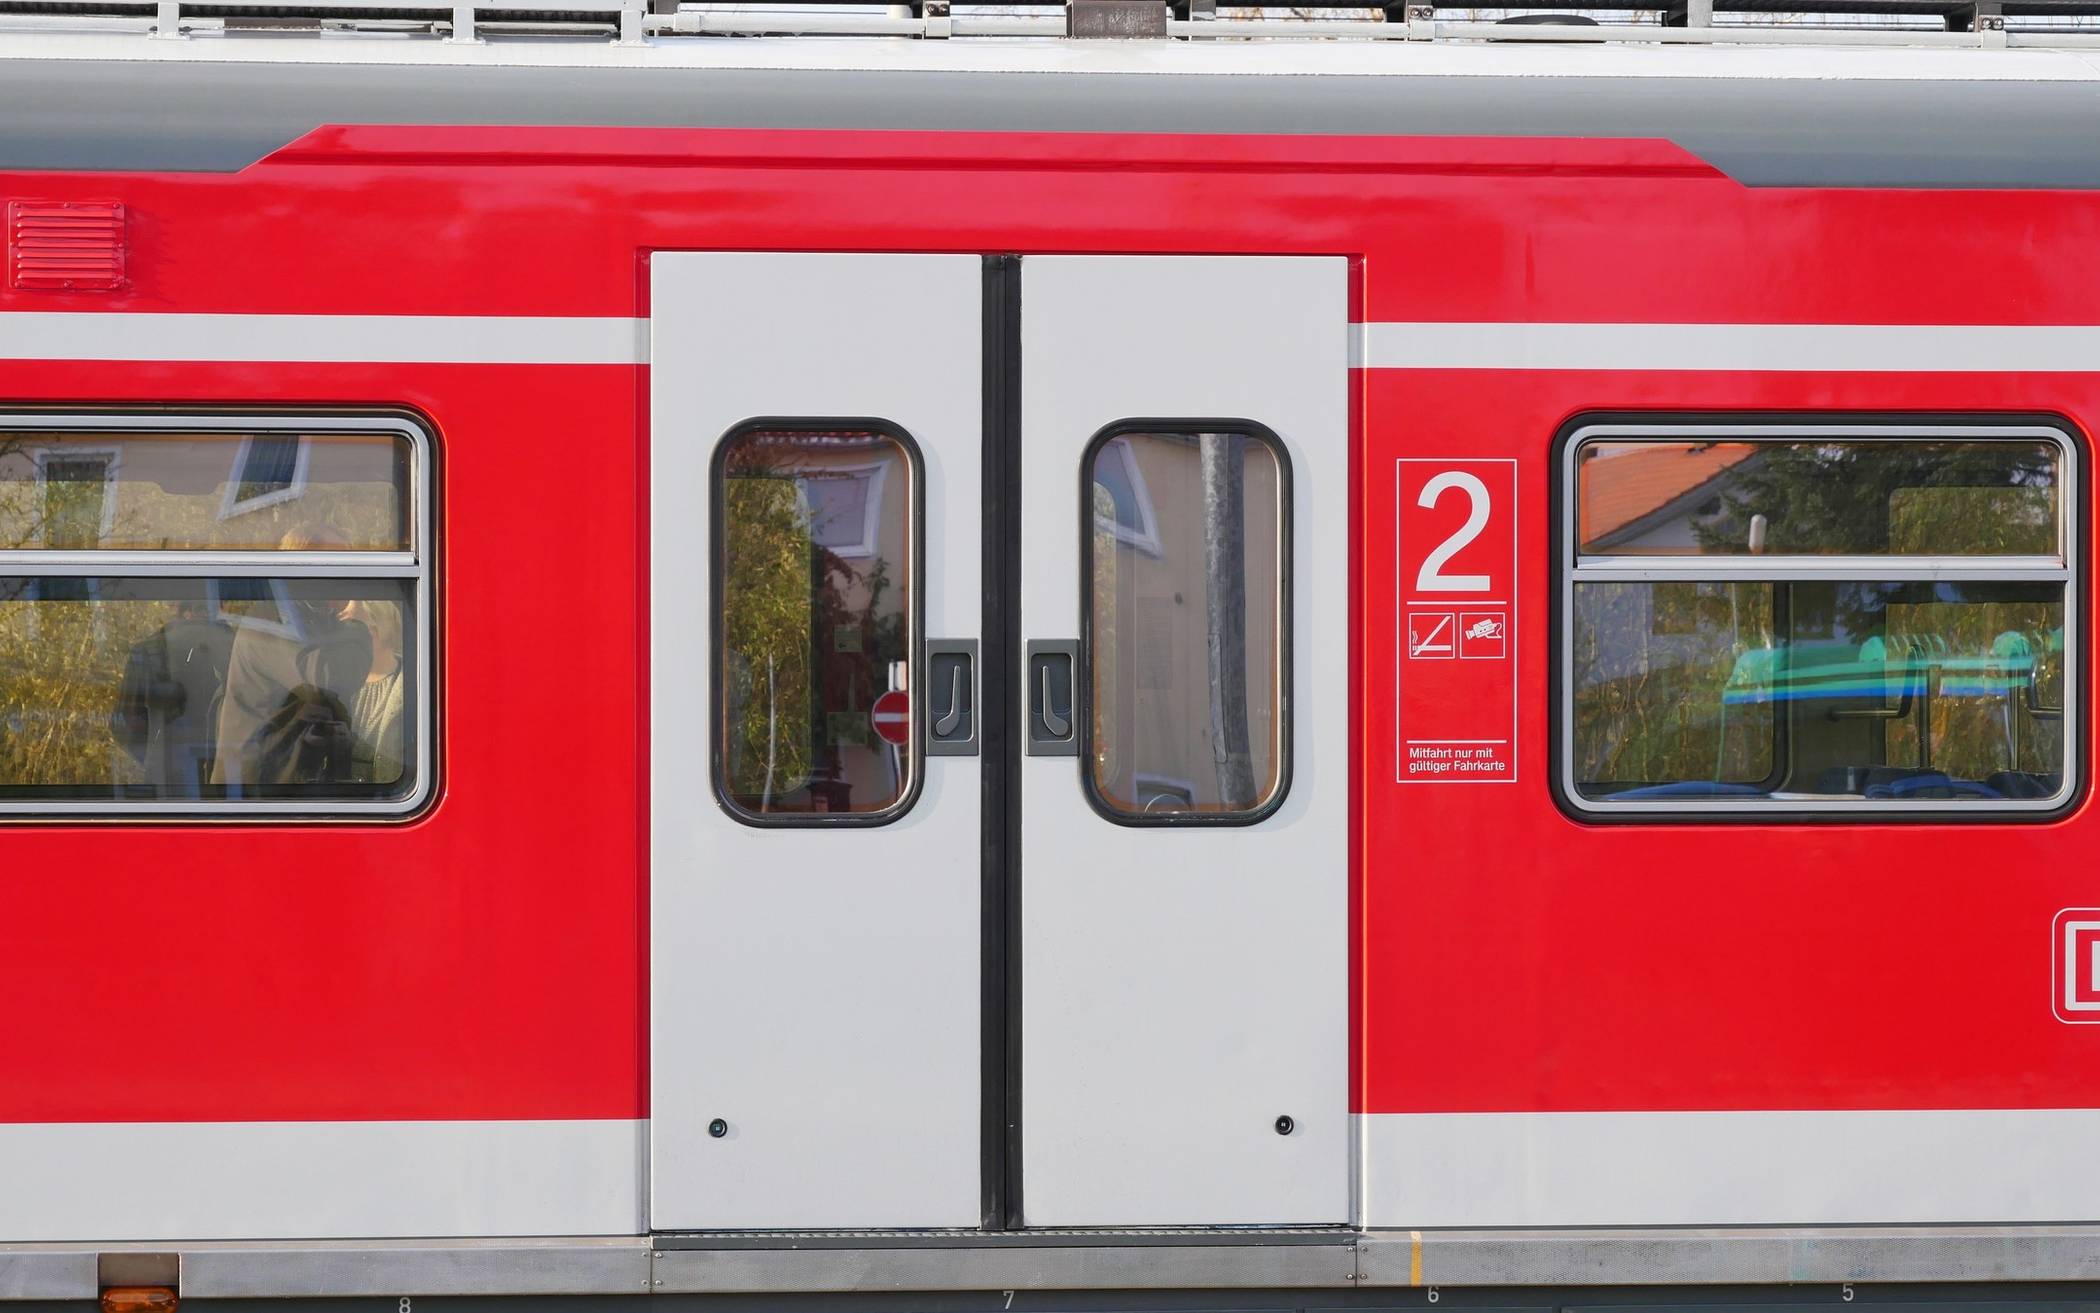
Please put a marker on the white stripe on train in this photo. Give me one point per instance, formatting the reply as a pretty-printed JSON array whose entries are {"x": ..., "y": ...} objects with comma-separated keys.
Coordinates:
[
  {"x": 320, "y": 1179},
  {"x": 325, "y": 339},
  {"x": 1847, "y": 348},
  {"x": 264, "y": 1180},
  {"x": 1808, "y": 1167},
  {"x": 583, "y": 340}
]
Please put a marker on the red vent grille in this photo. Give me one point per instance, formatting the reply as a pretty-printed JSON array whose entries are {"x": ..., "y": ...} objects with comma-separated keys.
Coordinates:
[{"x": 75, "y": 246}]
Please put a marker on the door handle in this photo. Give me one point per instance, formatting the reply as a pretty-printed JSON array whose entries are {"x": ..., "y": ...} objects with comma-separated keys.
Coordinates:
[
  {"x": 951, "y": 673},
  {"x": 1059, "y": 726},
  {"x": 1053, "y": 698},
  {"x": 947, "y": 723}
]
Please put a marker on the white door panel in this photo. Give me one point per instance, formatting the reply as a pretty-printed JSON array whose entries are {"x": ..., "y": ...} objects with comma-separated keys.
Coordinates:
[
  {"x": 815, "y": 989},
  {"x": 1184, "y": 988}
]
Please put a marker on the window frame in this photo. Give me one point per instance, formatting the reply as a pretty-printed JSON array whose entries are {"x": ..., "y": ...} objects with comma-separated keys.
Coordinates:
[
  {"x": 1286, "y": 601},
  {"x": 417, "y": 564},
  {"x": 1570, "y": 568},
  {"x": 915, "y": 646}
]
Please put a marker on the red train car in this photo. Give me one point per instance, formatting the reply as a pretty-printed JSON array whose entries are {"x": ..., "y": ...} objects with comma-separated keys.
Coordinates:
[{"x": 1314, "y": 668}]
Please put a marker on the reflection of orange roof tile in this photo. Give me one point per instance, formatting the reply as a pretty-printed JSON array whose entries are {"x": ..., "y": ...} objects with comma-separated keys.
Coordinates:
[{"x": 1625, "y": 481}]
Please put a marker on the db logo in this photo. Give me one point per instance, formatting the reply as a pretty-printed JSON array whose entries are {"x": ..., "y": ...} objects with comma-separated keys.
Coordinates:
[{"x": 2076, "y": 937}]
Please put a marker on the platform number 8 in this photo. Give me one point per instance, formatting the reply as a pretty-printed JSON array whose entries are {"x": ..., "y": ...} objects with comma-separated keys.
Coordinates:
[{"x": 1431, "y": 577}]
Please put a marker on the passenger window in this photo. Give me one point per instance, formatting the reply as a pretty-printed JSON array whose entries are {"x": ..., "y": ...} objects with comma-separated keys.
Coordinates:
[
  {"x": 817, "y": 575},
  {"x": 174, "y": 639},
  {"x": 1858, "y": 617},
  {"x": 1188, "y": 615}
]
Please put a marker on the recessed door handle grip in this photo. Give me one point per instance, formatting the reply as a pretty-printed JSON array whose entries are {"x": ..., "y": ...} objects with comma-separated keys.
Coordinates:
[
  {"x": 1059, "y": 726},
  {"x": 946, "y": 724},
  {"x": 1050, "y": 679}
]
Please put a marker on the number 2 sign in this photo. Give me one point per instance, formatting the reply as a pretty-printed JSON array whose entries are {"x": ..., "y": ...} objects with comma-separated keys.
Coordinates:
[{"x": 1455, "y": 717}]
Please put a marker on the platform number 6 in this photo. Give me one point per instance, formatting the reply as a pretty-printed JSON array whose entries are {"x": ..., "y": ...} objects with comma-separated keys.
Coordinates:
[{"x": 1431, "y": 577}]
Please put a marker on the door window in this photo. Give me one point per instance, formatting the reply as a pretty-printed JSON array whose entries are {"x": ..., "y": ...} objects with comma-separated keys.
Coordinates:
[
  {"x": 1187, "y": 537},
  {"x": 816, "y": 631}
]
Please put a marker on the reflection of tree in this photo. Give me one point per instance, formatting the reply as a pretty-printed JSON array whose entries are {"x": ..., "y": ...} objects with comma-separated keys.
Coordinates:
[
  {"x": 1905, "y": 498},
  {"x": 21, "y": 510},
  {"x": 1944, "y": 499},
  {"x": 1990, "y": 641},
  {"x": 859, "y": 642},
  {"x": 360, "y": 500},
  {"x": 765, "y": 635},
  {"x": 1223, "y": 458},
  {"x": 809, "y": 636},
  {"x": 60, "y": 683},
  {"x": 1682, "y": 681},
  {"x": 1651, "y": 668},
  {"x": 1106, "y": 649},
  {"x": 1870, "y": 499},
  {"x": 1653, "y": 663},
  {"x": 59, "y": 669},
  {"x": 64, "y": 641}
]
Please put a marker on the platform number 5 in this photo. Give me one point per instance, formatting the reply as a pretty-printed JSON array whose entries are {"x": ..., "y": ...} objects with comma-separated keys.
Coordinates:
[{"x": 1431, "y": 577}]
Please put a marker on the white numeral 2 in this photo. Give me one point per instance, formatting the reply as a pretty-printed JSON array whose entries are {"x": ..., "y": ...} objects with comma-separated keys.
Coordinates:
[{"x": 1431, "y": 578}]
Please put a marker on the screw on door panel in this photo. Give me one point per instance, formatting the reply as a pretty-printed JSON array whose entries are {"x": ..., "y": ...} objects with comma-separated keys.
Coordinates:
[
  {"x": 718, "y": 1128},
  {"x": 1284, "y": 1125}
]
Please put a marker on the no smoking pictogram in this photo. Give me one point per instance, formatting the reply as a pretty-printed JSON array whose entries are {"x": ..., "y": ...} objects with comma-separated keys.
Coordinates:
[{"x": 1430, "y": 635}]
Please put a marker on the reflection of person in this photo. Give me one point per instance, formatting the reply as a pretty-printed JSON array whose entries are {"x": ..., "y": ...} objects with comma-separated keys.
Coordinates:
[
  {"x": 285, "y": 715},
  {"x": 378, "y": 717},
  {"x": 165, "y": 702}
]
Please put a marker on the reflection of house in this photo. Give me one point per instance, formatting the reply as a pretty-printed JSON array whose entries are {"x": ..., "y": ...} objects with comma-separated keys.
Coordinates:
[
  {"x": 1639, "y": 497},
  {"x": 147, "y": 491},
  {"x": 857, "y": 499},
  {"x": 1152, "y": 621},
  {"x": 846, "y": 493},
  {"x": 152, "y": 491}
]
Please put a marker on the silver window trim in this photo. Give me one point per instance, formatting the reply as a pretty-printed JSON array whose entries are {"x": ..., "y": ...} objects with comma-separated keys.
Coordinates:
[
  {"x": 1577, "y": 568},
  {"x": 414, "y": 564},
  {"x": 1788, "y": 569}
]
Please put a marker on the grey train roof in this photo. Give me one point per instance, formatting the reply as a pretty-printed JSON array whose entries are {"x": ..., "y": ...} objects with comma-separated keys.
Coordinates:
[{"x": 1808, "y": 122}]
